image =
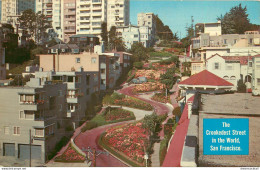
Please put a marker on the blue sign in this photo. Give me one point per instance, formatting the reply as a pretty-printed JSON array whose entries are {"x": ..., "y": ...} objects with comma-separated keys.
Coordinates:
[{"x": 226, "y": 136}]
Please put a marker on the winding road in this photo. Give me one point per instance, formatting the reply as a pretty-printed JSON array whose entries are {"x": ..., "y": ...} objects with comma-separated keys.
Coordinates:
[{"x": 90, "y": 137}]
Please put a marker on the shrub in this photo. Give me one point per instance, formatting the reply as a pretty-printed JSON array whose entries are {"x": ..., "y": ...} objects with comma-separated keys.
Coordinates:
[
  {"x": 168, "y": 127},
  {"x": 138, "y": 65},
  {"x": 241, "y": 87},
  {"x": 69, "y": 128},
  {"x": 89, "y": 125},
  {"x": 163, "y": 149},
  {"x": 177, "y": 111},
  {"x": 64, "y": 140}
]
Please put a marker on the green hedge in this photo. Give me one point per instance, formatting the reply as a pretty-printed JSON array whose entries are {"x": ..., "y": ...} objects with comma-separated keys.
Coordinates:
[
  {"x": 163, "y": 149},
  {"x": 138, "y": 104},
  {"x": 103, "y": 144},
  {"x": 99, "y": 120}
]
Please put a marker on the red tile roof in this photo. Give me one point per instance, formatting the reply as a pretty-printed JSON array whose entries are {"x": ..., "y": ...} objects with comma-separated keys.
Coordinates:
[
  {"x": 205, "y": 78},
  {"x": 173, "y": 156}
]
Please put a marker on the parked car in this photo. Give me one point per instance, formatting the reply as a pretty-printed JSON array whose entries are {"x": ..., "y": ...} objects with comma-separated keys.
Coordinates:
[{"x": 139, "y": 80}]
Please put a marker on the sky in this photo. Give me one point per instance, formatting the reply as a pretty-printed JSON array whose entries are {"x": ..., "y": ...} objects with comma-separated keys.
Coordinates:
[{"x": 177, "y": 14}]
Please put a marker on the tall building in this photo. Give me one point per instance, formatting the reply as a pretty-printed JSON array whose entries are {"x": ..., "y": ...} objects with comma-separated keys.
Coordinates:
[
  {"x": 15, "y": 7},
  {"x": 53, "y": 11},
  {"x": 90, "y": 15},
  {"x": 0, "y": 9},
  {"x": 2, "y": 57},
  {"x": 117, "y": 13},
  {"x": 147, "y": 19},
  {"x": 69, "y": 19}
]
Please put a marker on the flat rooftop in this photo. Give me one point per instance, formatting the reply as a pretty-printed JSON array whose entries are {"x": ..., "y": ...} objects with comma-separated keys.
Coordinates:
[{"x": 231, "y": 104}]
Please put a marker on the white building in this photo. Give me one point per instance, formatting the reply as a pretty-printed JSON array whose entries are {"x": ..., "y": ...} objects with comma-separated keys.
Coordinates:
[
  {"x": 90, "y": 14},
  {"x": 256, "y": 75},
  {"x": 134, "y": 34},
  {"x": 231, "y": 68},
  {"x": 15, "y": 7},
  {"x": 147, "y": 19},
  {"x": 54, "y": 12},
  {"x": 213, "y": 29},
  {"x": 117, "y": 13}
]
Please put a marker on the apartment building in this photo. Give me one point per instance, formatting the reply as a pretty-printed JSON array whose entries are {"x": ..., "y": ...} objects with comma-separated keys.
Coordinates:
[
  {"x": 39, "y": 108},
  {"x": 15, "y": 7},
  {"x": 134, "y": 34},
  {"x": 69, "y": 19},
  {"x": 90, "y": 15},
  {"x": 118, "y": 13},
  {"x": 256, "y": 75},
  {"x": 147, "y": 19},
  {"x": 2, "y": 57},
  {"x": 53, "y": 9},
  {"x": 80, "y": 85},
  {"x": 85, "y": 42}
]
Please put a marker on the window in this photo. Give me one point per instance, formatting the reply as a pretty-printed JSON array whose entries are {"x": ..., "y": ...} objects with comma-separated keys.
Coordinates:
[
  {"x": 235, "y": 41},
  {"x": 225, "y": 41},
  {"x": 29, "y": 115},
  {"x": 87, "y": 79},
  {"x": 251, "y": 40},
  {"x": 103, "y": 81},
  {"x": 39, "y": 132},
  {"x": 250, "y": 64},
  {"x": 216, "y": 66},
  {"x": 17, "y": 130},
  {"x": 77, "y": 60},
  {"x": 60, "y": 92},
  {"x": 93, "y": 60},
  {"x": 49, "y": 130},
  {"x": 6, "y": 130},
  {"x": 103, "y": 71},
  {"x": 258, "y": 81},
  {"x": 136, "y": 35}
]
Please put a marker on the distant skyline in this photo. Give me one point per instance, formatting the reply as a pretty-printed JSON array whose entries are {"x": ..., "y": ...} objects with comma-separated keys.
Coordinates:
[{"x": 177, "y": 14}]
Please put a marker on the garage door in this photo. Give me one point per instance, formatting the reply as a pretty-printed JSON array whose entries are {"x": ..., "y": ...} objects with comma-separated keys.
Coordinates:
[
  {"x": 24, "y": 152},
  {"x": 9, "y": 149}
]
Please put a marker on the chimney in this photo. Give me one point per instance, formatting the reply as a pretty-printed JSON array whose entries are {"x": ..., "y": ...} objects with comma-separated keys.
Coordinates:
[{"x": 189, "y": 109}]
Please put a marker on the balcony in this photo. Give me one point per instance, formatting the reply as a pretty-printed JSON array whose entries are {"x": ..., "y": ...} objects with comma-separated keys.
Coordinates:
[{"x": 72, "y": 100}]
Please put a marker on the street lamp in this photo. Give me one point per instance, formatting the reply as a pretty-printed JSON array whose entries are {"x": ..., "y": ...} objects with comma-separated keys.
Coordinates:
[{"x": 146, "y": 159}]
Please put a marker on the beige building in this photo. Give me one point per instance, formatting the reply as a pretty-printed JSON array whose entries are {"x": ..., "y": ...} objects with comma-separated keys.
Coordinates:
[
  {"x": 70, "y": 62},
  {"x": 147, "y": 19},
  {"x": 118, "y": 12},
  {"x": 69, "y": 19}
]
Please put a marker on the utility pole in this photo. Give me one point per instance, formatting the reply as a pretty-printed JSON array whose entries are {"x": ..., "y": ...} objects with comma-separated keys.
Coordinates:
[{"x": 30, "y": 137}]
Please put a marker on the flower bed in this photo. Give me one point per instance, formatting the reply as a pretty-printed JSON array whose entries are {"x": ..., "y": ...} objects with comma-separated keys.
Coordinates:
[
  {"x": 112, "y": 114},
  {"x": 128, "y": 140},
  {"x": 135, "y": 103},
  {"x": 160, "y": 97},
  {"x": 149, "y": 74},
  {"x": 122, "y": 100},
  {"x": 70, "y": 155},
  {"x": 148, "y": 87},
  {"x": 162, "y": 67}
]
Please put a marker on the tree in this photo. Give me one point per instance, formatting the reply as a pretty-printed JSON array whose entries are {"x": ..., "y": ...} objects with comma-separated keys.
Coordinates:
[
  {"x": 28, "y": 21},
  {"x": 162, "y": 31},
  {"x": 168, "y": 78},
  {"x": 42, "y": 24},
  {"x": 241, "y": 87},
  {"x": 36, "y": 24},
  {"x": 104, "y": 34},
  {"x": 235, "y": 21},
  {"x": 140, "y": 53}
]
